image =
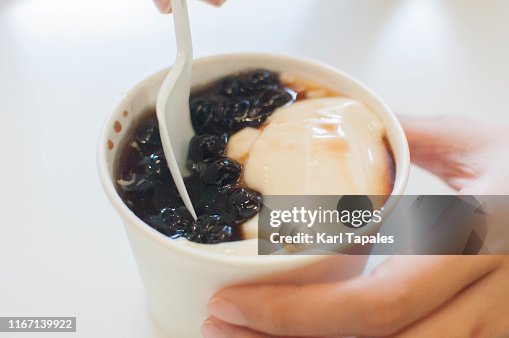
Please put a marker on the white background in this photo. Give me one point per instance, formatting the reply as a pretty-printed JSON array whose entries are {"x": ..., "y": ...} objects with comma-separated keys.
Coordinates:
[{"x": 65, "y": 63}]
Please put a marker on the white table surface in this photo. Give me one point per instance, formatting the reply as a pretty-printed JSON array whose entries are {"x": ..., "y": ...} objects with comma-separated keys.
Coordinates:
[{"x": 65, "y": 63}]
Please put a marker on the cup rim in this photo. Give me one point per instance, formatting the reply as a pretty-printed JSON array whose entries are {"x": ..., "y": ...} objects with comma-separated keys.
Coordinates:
[{"x": 401, "y": 170}]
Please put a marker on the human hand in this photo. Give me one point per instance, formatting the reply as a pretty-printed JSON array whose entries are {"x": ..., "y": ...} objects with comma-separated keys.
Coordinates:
[
  {"x": 164, "y": 6},
  {"x": 406, "y": 296},
  {"x": 469, "y": 155}
]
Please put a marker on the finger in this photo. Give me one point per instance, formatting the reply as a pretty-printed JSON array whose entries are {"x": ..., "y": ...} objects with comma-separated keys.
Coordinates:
[
  {"x": 164, "y": 6},
  {"x": 443, "y": 145},
  {"x": 216, "y": 2},
  {"x": 214, "y": 328},
  {"x": 400, "y": 291},
  {"x": 478, "y": 311}
]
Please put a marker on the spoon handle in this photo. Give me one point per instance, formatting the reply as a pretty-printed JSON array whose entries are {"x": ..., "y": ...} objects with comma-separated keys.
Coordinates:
[
  {"x": 182, "y": 29},
  {"x": 173, "y": 104}
]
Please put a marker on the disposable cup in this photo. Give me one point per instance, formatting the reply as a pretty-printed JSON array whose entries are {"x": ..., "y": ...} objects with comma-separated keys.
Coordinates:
[{"x": 179, "y": 279}]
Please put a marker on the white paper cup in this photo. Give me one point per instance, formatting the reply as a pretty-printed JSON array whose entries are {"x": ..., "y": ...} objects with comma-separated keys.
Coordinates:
[{"x": 179, "y": 279}]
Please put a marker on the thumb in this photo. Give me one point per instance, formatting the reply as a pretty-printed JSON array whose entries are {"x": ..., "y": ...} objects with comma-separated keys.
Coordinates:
[
  {"x": 374, "y": 305},
  {"x": 444, "y": 146}
]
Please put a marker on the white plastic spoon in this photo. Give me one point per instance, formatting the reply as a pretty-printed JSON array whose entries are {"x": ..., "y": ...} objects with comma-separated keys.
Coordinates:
[{"x": 172, "y": 106}]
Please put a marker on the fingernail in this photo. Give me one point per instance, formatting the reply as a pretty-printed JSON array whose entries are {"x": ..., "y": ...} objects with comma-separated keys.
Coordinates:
[
  {"x": 164, "y": 6},
  {"x": 226, "y": 310},
  {"x": 210, "y": 329}
]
